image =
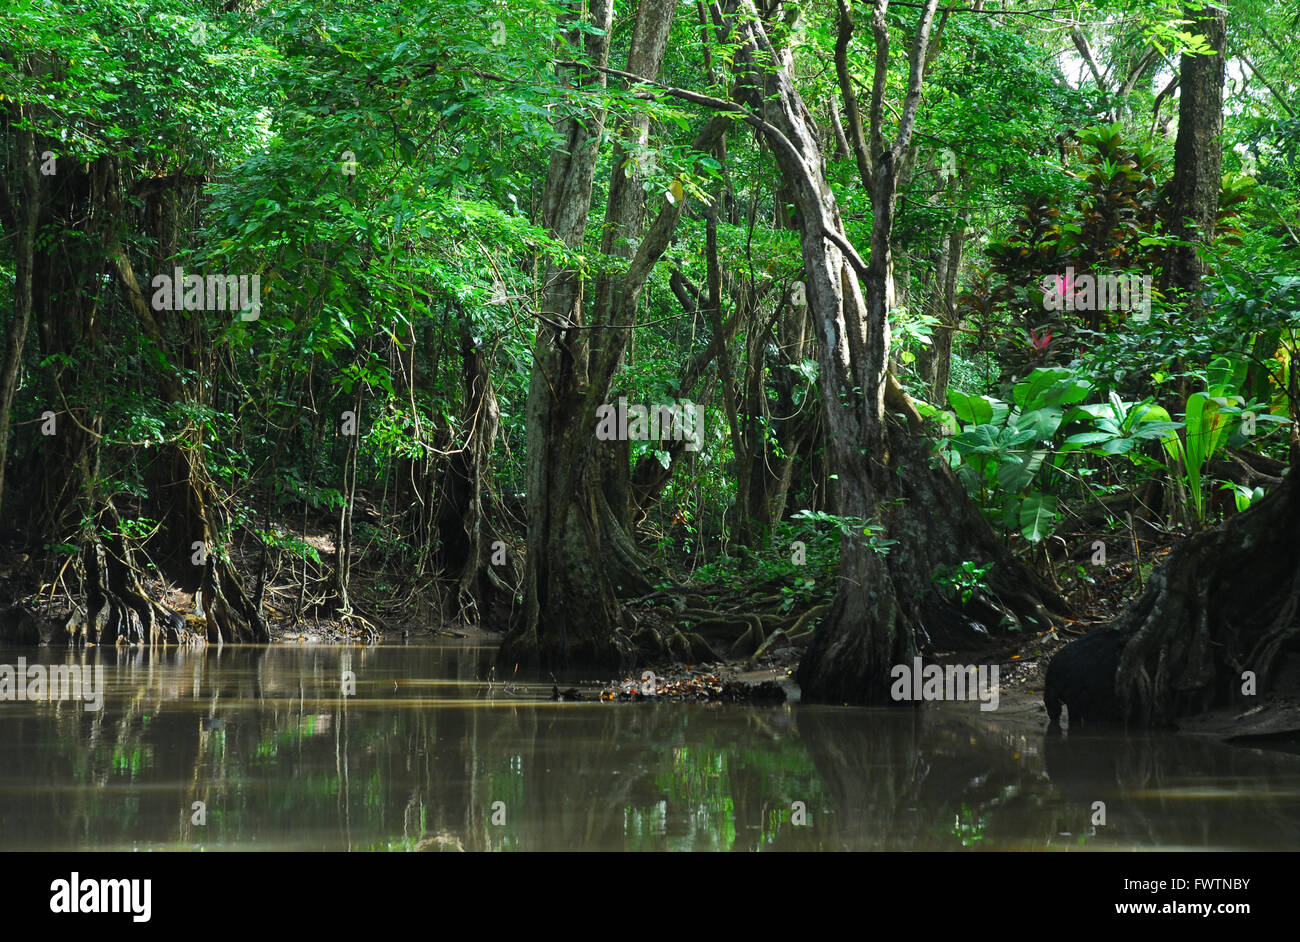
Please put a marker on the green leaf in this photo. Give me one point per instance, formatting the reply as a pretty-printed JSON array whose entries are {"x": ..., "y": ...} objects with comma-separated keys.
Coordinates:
[
  {"x": 1050, "y": 386},
  {"x": 981, "y": 440},
  {"x": 1084, "y": 439},
  {"x": 1204, "y": 428},
  {"x": 1042, "y": 422},
  {"x": 975, "y": 410},
  {"x": 1012, "y": 474},
  {"x": 1037, "y": 515},
  {"x": 1091, "y": 411},
  {"x": 1150, "y": 430}
]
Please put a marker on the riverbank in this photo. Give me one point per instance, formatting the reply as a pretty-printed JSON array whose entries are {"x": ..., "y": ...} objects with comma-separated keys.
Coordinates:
[{"x": 1272, "y": 721}]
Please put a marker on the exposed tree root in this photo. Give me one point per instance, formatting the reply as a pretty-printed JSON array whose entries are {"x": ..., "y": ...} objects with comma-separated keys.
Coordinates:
[
  {"x": 803, "y": 627},
  {"x": 885, "y": 615},
  {"x": 672, "y": 644},
  {"x": 231, "y": 617},
  {"x": 118, "y": 610},
  {"x": 741, "y": 633},
  {"x": 371, "y": 625},
  {"x": 1225, "y": 602}
]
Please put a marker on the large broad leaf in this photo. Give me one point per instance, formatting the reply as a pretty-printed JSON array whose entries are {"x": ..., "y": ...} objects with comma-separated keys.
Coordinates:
[
  {"x": 1205, "y": 427},
  {"x": 981, "y": 440},
  {"x": 1083, "y": 440},
  {"x": 1174, "y": 448},
  {"x": 1042, "y": 422},
  {"x": 1049, "y": 386},
  {"x": 1118, "y": 407},
  {"x": 1037, "y": 515},
  {"x": 1089, "y": 412},
  {"x": 1029, "y": 389},
  {"x": 1226, "y": 373},
  {"x": 1010, "y": 513},
  {"x": 1146, "y": 420},
  {"x": 975, "y": 410},
  {"x": 1148, "y": 411},
  {"x": 1150, "y": 430},
  {"x": 1012, "y": 474},
  {"x": 1110, "y": 426},
  {"x": 1010, "y": 439},
  {"x": 1016, "y": 472},
  {"x": 946, "y": 420}
]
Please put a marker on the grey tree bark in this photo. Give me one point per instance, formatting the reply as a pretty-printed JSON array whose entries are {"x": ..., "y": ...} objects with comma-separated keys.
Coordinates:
[
  {"x": 580, "y": 558},
  {"x": 1193, "y": 196},
  {"x": 885, "y": 469}
]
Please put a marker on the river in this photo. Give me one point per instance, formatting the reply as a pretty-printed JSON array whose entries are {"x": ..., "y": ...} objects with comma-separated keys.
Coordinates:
[{"x": 248, "y": 748}]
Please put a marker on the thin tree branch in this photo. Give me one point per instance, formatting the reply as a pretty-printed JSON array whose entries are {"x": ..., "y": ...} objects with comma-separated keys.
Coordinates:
[
  {"x": 720, "y": 104},
  {"x": 852, "y": 113},
  {"x": 1085, "y": 51},
  {"x": 1259, "y": 75}
]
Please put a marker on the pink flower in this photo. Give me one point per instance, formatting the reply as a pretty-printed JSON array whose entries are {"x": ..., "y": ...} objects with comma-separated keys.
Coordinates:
[
  {"x": 1065, "y": 283},
  {"x": 1062, "y": 287}
]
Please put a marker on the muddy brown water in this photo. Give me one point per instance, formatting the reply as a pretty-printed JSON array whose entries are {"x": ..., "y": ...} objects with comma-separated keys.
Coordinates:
[{"x": 432, "y": 752}]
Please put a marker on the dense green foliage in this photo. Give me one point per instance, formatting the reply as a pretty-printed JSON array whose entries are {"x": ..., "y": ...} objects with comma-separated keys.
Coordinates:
[{"x": 380, "y": 165}]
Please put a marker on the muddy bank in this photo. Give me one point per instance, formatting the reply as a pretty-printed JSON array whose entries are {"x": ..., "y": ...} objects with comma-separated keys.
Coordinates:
[{"x": 1273, "y": 721}]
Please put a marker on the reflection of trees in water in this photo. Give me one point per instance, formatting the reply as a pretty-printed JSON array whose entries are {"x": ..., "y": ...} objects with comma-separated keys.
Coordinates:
[
  {"x": 263, "y": 737},
  {"x": 633, "y": 776},
  {"x": 872, "y": 765},
  {"x": 904, "y": 779},
  {"x": 180, "y": 726},
  {"x": 1176, "y": 790}
]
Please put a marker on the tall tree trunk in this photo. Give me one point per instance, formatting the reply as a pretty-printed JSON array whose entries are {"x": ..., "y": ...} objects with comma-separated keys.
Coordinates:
[
  {"x": 932, "y": 290},
  {"x": 342, "y": 575},
  {"x": 883, "y": 600},
  {"x": 937, "y": 362},
  {"x": 570, "y": 610},
  {"x": 1193, "y": 197},
  {"x": 579, "y": 559},
  {"x": 943, "y": 337},
  {"x": 66, "y": 284},
  {"x": 25, "y": 216},
  {"x": 1191, "y": 201},
  {"x": 624, "y": 217},
  {"x": 229, "y": 614}
]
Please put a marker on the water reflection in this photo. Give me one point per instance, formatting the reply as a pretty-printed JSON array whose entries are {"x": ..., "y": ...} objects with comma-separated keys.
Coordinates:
[{"x": 433, "y": 753}]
